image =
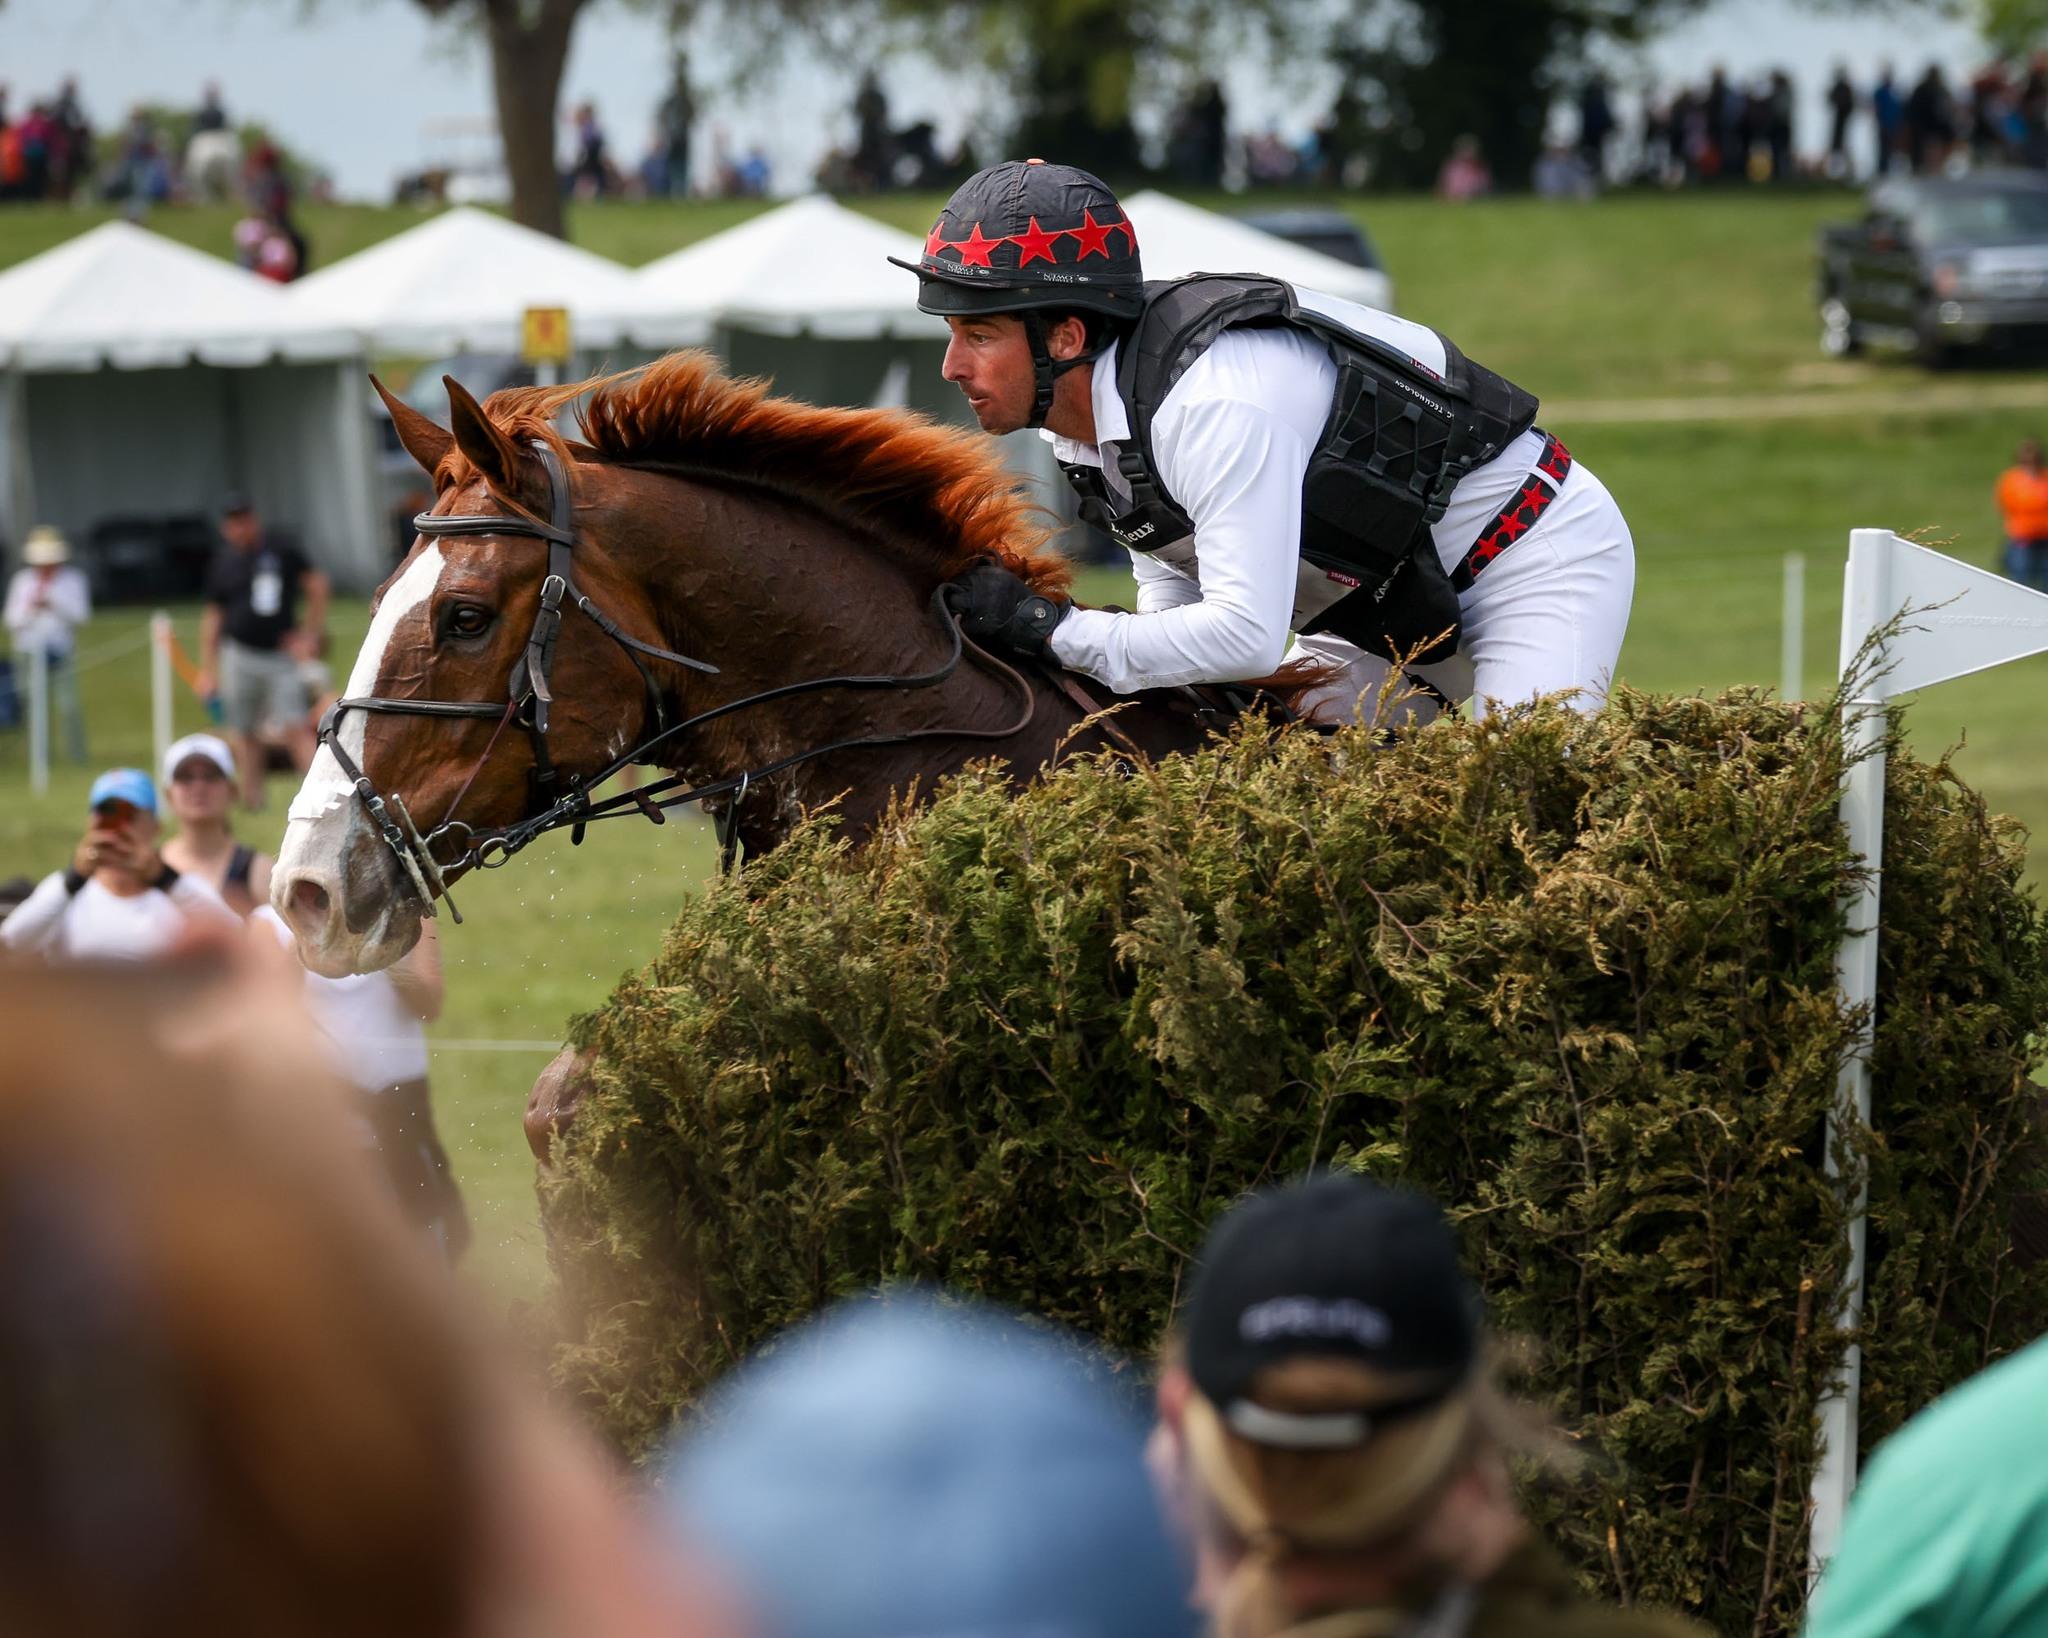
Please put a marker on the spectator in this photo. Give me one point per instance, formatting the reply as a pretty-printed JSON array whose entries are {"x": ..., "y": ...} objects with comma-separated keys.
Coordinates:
[
  {"x": 233, "y": 1399},
  {"x": 1561, "y": 174},
  {"x": 1888, "y": 114},
  {"x": 903, "y": 1467},
  {"x": 1777, "y": 128},
  {"x": 1464, "y": 174},
  {"x": 118, "y": 900},
  {"x": 2022, "y": 497},
  {"x": 1841, "y": 109},
  {"x": 1949, "y": 1529},
  {"x": 199, "y": 774},
  {"x": 590, "y": 174},
  {"x": 873, "y": 142},
  {"x": 1930, "y": 121},
  {"x": 374, "y": 1027},
  {"x": 47, "y": 601},
  {"x": 213, "y": 153},
  {"x": 678, "y": 112},
  {"x": 71, "y": 156},
  {"x": 1596, "y": 127},
  {"x": 1334, "y": 1436},
  {"x": 252, "y": 641},
  {"x": 141, "y": 174}
]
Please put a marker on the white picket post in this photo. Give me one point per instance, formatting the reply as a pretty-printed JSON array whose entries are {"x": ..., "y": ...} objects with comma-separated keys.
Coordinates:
[
  {"x": 1963, "y": 619},
  {"x": 1792, "y": 631},
  {"x": 160, "y": 698},
  {"x": 39, "y": 721}
]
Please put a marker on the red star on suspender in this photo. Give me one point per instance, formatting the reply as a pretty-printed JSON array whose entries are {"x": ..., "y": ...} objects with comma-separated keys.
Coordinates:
[
  {"x": 1094, "y": 236},
  {"x": 974, "y": 249},
  {"x": 1036, "y": 245},
  {"x": 1536, "y": 496}
]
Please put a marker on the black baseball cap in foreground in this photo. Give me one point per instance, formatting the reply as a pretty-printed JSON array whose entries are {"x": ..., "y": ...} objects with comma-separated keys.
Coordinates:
[{"x": 1335, "y": 1268}]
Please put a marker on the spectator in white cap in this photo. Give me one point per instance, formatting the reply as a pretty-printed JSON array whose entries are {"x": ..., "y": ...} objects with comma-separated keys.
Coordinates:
[
  {"x": 118, "y": 900},
  {"x": 47, "y": 601},
  {"x": 199, "y": 777}
]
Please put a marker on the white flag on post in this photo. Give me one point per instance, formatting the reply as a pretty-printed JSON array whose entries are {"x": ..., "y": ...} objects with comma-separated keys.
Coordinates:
[
  {"x": 1962, "y": 618},
  {"x": 1958, "y": 619}
]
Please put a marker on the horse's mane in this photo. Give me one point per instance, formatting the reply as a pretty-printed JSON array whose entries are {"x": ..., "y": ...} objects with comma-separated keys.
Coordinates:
[{"x": 937, "y": 496}]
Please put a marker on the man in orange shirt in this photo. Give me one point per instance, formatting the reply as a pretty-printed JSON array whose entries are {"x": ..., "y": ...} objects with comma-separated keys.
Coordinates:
[{"x": 2023, "y": 498}]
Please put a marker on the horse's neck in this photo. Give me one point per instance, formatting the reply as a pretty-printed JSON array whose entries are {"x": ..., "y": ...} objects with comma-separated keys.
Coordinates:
[{"x": 774, "y": 594}]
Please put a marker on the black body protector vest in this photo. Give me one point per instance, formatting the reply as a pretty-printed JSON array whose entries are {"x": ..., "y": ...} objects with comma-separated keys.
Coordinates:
[{"x": 1398, "y": 439}]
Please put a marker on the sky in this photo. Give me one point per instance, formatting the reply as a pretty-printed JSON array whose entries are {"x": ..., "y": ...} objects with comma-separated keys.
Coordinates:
[{"x": 373, "y": 88}]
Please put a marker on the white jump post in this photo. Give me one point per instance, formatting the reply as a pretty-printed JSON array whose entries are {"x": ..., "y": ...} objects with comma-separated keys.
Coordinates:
[
  {"x": 160, "y": 683},
  {"x": 39, "y": 721},
  {"x": 1964, "y": 619},
  {"x": 1792, "y": 632}
]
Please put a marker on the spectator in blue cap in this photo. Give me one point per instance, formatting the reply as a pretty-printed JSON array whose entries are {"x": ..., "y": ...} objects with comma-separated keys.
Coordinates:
[
  {"x": 906, "y": 1467},
  {"x": 118, "y": 900}
]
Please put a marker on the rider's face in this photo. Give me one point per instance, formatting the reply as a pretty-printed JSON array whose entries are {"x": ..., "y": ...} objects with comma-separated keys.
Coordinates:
[{"x": 989, "y": 360}]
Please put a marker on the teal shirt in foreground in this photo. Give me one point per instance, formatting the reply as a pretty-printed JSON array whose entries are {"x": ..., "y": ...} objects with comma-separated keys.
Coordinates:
[{"x": 1948, "y": 1534}]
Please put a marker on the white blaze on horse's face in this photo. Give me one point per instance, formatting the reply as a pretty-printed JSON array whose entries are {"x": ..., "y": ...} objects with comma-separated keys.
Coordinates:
[{"x": 334, "y": 873}]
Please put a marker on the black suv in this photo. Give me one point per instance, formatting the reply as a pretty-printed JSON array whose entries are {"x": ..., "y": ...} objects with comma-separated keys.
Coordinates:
[{"x": 1939, "y": 264}]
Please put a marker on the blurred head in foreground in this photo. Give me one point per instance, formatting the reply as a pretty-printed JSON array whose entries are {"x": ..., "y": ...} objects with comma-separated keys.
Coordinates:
[
  {"x": 234, "y": 1396},
  {"x": 906, "y": 1467},
  {"x": 1339, "y": 1446}
]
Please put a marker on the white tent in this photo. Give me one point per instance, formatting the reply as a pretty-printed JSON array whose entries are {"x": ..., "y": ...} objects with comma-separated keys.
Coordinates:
[
  {"x": 460, "y": 282},
  {"x": 1176, "y": 239},
  {"x": 142, "y": 379},
  {"x": 808, "y": 268}
]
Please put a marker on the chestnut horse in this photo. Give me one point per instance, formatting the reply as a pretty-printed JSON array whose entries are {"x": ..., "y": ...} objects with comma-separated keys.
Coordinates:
[{"x": 666, "y": 590}]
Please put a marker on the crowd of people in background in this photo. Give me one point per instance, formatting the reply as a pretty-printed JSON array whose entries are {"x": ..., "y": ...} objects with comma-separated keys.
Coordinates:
[{"x": 50, "y": 154}]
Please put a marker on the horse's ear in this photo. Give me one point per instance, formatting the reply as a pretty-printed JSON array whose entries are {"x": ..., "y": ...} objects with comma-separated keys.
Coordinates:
[
  {"x": 489, "y": 447},
  {"x": 421, "y": 438}
]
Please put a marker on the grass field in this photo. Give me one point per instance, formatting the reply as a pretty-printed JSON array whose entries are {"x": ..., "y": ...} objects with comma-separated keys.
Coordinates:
[{"x": 1691, "y": 298}]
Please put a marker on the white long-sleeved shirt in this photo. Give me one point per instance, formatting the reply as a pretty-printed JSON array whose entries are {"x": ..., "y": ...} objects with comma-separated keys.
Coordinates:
[
  {"x": 1232, "y": 441},
  {"x": 97, "y": 924},
  {"x": 41, "y": 613}
]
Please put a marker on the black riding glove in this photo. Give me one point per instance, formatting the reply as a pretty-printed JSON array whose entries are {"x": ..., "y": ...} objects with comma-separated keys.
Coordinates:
[{"x": 998, "y": 607}]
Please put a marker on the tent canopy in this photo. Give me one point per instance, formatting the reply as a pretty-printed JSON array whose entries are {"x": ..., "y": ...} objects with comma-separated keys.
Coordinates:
[
  {"x": 460, "y": 282},
  {"x": 1176, "y": 238},
  {"x": 810, "y": 267},
  {"x": 120, "y": 295}
]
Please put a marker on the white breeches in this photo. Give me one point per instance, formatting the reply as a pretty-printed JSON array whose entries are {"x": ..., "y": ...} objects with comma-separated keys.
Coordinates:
[{"x": 1545, "y": 617}]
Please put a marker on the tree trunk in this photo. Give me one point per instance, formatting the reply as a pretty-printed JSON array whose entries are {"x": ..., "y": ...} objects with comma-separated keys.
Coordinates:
[{"x": 527, "y": 58}]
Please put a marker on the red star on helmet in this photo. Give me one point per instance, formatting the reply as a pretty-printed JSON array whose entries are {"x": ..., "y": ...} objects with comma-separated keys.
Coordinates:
[
  {"x": 1130, "y": 234},
  {"x": 1036, "y": 245},
  {"x": 1094, "y": 235},
  {"x": 936, "y": 240},
  {"x": 974, "y": 249}
]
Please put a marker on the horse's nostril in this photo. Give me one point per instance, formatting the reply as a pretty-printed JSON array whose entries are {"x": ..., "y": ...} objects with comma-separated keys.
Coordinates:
[{"x": 309, "y": 900}]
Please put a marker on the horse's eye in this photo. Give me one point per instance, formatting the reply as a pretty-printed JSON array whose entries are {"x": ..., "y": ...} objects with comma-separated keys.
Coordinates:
[{"x": 467, "y": 620}]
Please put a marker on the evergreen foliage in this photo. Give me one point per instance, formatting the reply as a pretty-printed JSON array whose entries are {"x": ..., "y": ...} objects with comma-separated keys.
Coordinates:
[{"x": 1572, "y": 976}]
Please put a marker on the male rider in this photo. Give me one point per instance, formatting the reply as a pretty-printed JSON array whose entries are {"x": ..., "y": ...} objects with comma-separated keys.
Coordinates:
[{"x": 1276, "y": 460}]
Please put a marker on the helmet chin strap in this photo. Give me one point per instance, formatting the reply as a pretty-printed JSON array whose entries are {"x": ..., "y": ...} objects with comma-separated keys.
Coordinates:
[{"x": 1047, "y": 370}]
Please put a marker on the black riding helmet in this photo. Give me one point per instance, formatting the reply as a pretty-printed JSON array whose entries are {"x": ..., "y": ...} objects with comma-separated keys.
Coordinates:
[{"x": 1024, "y": 237}]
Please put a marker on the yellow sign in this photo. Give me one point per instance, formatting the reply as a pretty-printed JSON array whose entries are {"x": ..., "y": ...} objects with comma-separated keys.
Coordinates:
[{"x": 544, "y": 336}]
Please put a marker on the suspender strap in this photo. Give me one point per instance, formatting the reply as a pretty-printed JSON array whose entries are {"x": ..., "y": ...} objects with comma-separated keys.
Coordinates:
[{"x": 1519, "y": 516}]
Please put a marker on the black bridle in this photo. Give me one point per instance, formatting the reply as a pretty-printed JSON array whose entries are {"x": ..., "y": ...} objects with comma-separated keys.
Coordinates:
[{"x": 555, "y": 803}]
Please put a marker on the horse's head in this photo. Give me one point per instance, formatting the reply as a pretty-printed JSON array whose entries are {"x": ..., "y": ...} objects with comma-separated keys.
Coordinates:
[{"x": 463, "y": 621}]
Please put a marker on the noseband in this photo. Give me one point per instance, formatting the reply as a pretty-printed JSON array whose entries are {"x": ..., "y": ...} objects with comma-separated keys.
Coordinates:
[{"x": 552, "y": 802}]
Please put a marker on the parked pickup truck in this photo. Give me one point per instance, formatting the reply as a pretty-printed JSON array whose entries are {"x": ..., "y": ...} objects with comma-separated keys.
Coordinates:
[{"x": 1939, "y": 264}]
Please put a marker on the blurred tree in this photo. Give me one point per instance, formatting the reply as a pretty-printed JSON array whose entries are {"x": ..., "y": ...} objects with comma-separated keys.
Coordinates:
[
  {"x": 529, "y": 46},
  {"x": 2013, "y": 28}
]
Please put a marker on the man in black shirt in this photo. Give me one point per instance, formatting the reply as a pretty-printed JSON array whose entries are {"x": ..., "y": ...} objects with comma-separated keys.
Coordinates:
[{"x": 252, "y": 641}]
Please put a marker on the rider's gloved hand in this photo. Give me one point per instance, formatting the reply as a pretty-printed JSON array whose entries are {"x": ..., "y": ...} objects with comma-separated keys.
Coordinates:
[{"x": 998, "y": 607}]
